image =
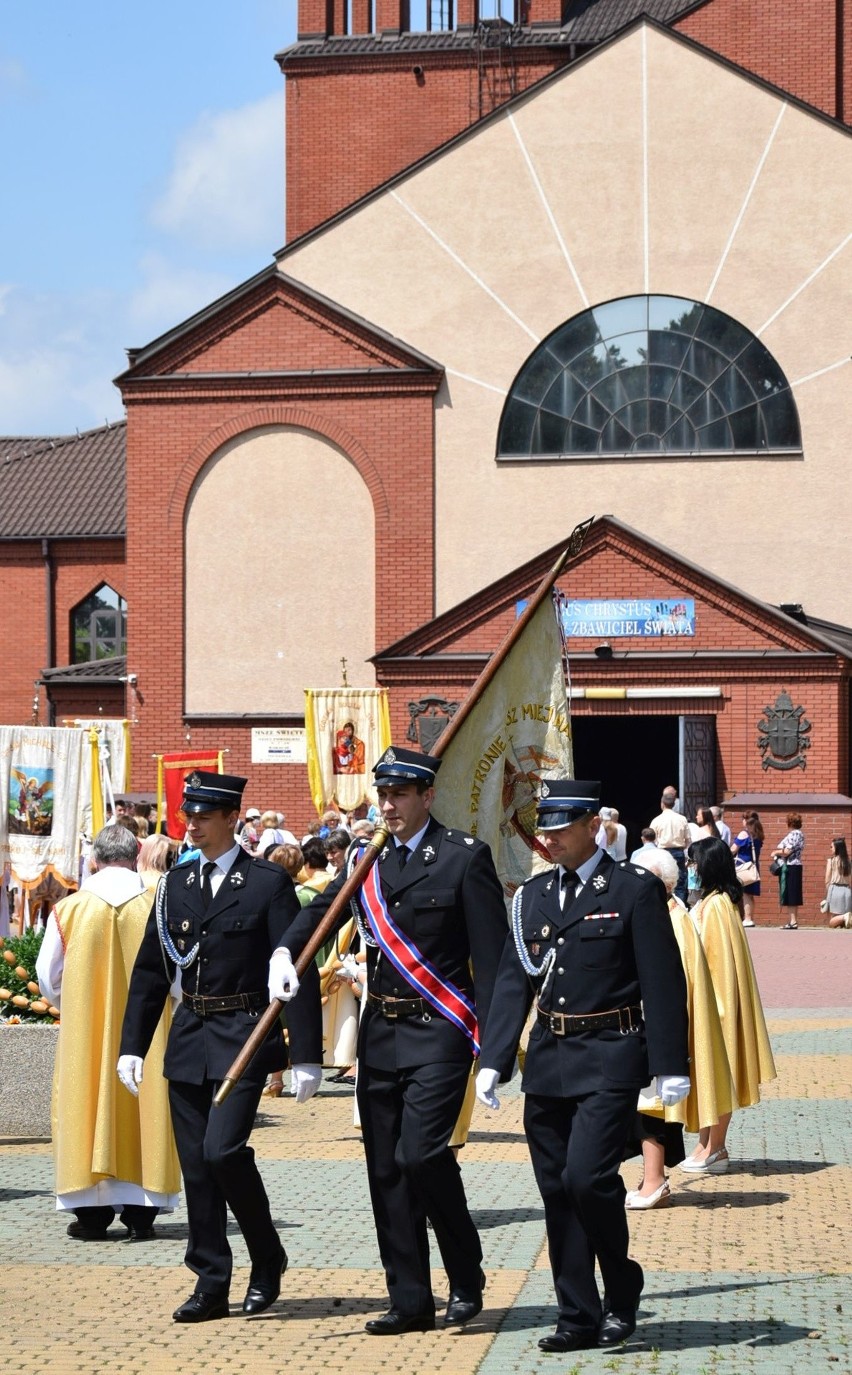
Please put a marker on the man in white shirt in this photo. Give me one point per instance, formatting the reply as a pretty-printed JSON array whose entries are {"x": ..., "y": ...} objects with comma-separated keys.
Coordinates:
[{"x": 671, "y": 831}]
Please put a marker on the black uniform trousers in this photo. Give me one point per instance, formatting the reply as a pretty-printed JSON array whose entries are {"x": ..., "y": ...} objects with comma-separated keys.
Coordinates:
[
  {"x": 219, "y": 1172},
  {"x": 576, "y": 1146},
  {"x": 407, "y": 1118}
]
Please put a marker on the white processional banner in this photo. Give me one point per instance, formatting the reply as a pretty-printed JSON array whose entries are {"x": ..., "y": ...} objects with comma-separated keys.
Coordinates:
[
  {"x": 347, "y": 729},
  {"x": 113, "y": 755},
  {"x": 41, "y": 802},
  {"x": 518, "y": 733}
]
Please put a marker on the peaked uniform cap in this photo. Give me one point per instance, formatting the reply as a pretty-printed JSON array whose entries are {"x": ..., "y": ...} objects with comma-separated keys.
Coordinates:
[
  {"x": 206, "y": 792},
  {"x": 563, "y": 800},
  {"x": 406, "y": 766}
]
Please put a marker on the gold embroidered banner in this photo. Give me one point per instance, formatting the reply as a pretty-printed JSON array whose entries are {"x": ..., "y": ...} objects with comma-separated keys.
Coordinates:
[
  {"x": 517, "y": 734},
  {"x": 346, "y": 729}
]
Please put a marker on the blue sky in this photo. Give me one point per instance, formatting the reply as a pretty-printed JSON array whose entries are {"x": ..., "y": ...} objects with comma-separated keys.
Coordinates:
[{"x": 142, "y": 153}]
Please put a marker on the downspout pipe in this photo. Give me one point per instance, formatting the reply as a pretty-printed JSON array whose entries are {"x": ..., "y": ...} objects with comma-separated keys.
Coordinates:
[{"x": 49, "y": 619}]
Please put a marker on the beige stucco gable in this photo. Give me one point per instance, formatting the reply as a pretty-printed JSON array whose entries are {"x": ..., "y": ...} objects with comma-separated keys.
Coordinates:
[{"x": 650, "y": 166}]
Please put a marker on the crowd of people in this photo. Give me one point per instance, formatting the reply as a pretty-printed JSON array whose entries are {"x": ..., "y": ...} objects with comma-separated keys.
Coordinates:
[
  {"x": 627, "y": 983},
  {"x": 673, "y": 832}
]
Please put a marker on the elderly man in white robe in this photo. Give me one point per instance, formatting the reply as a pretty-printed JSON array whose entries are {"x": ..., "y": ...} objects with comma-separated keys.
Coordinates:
[{"x": 112, "y": 1153}]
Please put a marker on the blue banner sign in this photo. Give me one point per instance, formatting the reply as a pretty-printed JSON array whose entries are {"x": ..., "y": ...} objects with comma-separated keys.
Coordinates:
[{"x": 611, "y": 620}]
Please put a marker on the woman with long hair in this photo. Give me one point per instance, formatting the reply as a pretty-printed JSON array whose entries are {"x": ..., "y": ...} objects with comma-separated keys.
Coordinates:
[
  {"x": 717, "y": 917},
  {"x": 746, "y": 850},
  {"x": 789, "y": 850},
  {"x": 838, "y": 877},
  {"x": 659, "y": 1130}
]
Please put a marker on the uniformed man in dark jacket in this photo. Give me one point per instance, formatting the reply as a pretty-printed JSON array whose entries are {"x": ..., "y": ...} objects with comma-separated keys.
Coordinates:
[
  {"x": 447, "y": 917},
  {"x": 593, "y": 943},
  {"x": 217, "y": 920}
]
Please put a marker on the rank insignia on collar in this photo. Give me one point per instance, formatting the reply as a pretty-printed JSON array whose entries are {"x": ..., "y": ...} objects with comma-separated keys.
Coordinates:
[
  {"x": 385, "y": 853},
  {"x": 190, "y": 878},
  {"x": 599, "y": 883},
  {"x": 238, "y": 878},
  {"x": 548, "y": 885},
  {"x": 428, "y": 853}
]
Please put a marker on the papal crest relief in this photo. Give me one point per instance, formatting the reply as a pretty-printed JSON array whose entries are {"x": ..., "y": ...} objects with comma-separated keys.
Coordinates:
[
  {"x": 429, "y": 716},
  {"x": 783, "y": 735}
]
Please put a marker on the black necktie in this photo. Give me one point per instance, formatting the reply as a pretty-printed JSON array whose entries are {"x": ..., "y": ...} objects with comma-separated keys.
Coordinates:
[
  {"x": 403, "y": 854},
  {"x": 206, "y": 886},
  {"x": 567, "y": 885}
]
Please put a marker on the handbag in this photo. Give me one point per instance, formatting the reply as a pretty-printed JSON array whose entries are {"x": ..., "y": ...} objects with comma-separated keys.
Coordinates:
[
  {"x": 748, "y": 873},
  {"x": 777, "y": 866}
]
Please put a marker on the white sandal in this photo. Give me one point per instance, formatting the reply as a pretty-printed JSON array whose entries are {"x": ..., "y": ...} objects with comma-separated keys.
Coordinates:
[{"x": 658, "y": 1199}]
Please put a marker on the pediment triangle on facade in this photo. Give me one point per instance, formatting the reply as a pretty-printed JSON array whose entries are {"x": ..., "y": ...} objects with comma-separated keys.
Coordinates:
[
  {"x": 274, "y": 325},
  {"x": 619, "y": 565}
]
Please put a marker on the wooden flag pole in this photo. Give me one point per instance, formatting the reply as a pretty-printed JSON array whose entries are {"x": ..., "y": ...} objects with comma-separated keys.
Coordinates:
[{"x": 269, "y": 1018}]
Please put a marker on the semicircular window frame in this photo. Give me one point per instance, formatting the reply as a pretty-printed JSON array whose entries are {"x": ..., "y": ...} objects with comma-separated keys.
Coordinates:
[{"x": 650, "y": 376}]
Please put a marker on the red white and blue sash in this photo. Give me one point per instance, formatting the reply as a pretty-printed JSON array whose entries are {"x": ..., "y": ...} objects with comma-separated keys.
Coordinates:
[{"x": 413, "y": 966}]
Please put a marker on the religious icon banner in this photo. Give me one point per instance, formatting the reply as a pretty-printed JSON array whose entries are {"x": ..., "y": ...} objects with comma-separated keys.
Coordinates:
[
  {"x": 41, "y": 802},
  {"x": 347, "y": 729},
  {"x": 518, "y": 733}
]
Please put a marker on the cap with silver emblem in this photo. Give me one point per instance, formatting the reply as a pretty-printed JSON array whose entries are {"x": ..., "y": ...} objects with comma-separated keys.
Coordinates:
[{"x": 563, "y": 800}]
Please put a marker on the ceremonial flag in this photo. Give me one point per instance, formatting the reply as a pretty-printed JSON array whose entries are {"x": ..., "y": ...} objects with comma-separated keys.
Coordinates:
[
  {"x": 518, "y": 733},
  {"x": 172, "y": 769},
  {"x": 346, "y": 731}
]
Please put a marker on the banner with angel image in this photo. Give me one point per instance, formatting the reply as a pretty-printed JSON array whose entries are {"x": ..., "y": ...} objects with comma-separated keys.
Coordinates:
[{"x": 40, "y": 777}]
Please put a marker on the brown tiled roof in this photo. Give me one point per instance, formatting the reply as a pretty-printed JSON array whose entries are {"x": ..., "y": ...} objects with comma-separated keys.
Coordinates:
[
  {"x": 586, "y": 22},
  {"x": 69, "y": 485},
  {"x": 104, "y": 670},
  {"x": 593, "y": 21}
]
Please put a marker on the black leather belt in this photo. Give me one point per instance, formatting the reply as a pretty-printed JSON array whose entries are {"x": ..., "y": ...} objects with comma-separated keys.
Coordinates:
[
  {"x": 206, "y": 1006},
  {"x": 400, "y": 1007},
  {"x": 622, "y": 1019}
]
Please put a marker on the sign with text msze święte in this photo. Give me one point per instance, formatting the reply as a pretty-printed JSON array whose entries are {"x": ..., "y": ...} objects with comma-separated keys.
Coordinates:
[
  {"x": 278, "y": 745},
  {"x": 609, "y": 620}
]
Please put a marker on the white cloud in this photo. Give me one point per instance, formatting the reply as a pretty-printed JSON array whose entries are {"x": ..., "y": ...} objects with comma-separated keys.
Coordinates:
[
  {"x": 55, "y": 377},
  {"x": 224, "y": 191},
  {"x": 168, "y": 294}
]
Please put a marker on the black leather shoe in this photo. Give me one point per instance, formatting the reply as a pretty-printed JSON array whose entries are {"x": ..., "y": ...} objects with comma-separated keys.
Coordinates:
[
  {"x": 201, "y": 1307},
  {"x": 394, "y": 1324},
  {"x": 78, "y": 1232},
  {"x": 464, "y": 1304},
  {"x": 568, "y": 1341},
  {"x": 615, "y": 1328},
  {"x": 140, "y": 1233},
  {"x": 265, "y": 1284}
]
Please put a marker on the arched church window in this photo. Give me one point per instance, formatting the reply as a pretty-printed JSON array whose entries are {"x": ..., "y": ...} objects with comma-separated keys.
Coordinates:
[
  {"x": 649, "y": 375},
  {"x": 99, "y": 626}
]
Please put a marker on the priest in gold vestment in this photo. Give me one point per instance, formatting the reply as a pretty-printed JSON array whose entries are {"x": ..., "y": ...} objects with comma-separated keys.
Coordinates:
[{"x": 113, "y": 1153}]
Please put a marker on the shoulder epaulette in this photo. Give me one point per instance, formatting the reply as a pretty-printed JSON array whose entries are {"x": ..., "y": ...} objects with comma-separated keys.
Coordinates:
[{"x": 457, "y": 837}]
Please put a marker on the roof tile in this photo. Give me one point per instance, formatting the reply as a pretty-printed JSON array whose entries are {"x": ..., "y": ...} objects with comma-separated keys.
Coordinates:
[{"x": 67, "y": 485}]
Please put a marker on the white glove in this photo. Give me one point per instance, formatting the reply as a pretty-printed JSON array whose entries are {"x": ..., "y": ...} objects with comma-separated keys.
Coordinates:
[
  {"x": 486, "y": 1082},
  {"x": 304, "y": 1081},
  {"x": 130, "y": 1072},
  {"x": 283, "y": 979},
  {"x": 672, "y": 1088}
]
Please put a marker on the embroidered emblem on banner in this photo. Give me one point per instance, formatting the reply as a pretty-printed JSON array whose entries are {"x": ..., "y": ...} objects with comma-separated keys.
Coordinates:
[{"x": 413, "y": 966}]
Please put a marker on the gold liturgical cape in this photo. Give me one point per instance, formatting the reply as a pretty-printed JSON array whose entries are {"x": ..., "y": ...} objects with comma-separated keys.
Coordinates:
[
  {"x": 711, "y": 1091},
  {"x": 737, "y": 996},
  {"x": 100, "y": 1131}
]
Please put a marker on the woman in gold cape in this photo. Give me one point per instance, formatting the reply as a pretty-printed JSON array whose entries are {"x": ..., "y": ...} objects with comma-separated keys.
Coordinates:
[
  {"x": 710, "y": 1096},
  {"x": 719, "y": 924}
]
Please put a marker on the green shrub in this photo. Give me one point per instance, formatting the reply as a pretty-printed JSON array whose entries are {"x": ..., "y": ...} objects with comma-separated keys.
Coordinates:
[{"x": 24, "y": 951}]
